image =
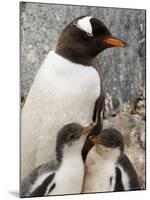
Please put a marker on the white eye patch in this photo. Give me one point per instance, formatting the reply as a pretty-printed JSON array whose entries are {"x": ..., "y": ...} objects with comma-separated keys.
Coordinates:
[{"x": 85, "y": 25}]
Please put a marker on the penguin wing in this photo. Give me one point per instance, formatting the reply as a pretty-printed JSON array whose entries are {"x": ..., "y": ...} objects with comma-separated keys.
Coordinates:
[
  {"x": 100, "y": 103},
  {"x": 126, "y": 165},
  {"x": 98, "y": 114},
  {"x": 39, "y": 181},
  {"x": 45, "y": 187},
  {"x": 98, "y": 119},
  {"x": 118, "y": 186}
]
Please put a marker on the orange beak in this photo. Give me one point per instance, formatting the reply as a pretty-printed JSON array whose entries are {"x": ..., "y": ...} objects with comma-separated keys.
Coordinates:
[
  {"x": 87, "y": 128},
  {"x": 114, "y": 42},
  {"x": 96, "y": 140}
]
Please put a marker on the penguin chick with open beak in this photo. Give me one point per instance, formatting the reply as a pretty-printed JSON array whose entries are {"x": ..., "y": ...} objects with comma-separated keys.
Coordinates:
[
  {"x": 107, "y": 167},
  {"x": 65, "y": 174}
]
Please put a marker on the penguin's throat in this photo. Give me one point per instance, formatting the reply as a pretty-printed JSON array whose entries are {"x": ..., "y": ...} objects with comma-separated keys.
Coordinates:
[
  {"x": 108, "y": 153},
  {"x": 75, "y": 56},
  {"x": 68, "y": 152},
  {"x": 74, "y": 148}
]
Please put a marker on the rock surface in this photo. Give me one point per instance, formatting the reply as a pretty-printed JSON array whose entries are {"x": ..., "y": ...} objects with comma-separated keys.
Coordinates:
[{"x": 123, "y": 69}]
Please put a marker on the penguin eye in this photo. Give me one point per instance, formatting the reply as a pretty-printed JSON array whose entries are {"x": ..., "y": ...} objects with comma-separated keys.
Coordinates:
[
  {"x": 71, "y": 137},
  {"x": 112, "y": 143},
  {"x": 90, "y": 34}
]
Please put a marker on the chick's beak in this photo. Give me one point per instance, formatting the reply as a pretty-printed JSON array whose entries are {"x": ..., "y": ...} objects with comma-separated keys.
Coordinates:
[
  {"x": 96, "y": 140},
  {"x": 87, "y": 128},
  {"x": 114, "y": 42}
]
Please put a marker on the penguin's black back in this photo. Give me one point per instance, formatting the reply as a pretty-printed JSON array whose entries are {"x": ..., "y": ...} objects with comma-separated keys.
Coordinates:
[{"x": 134, "y": 183}]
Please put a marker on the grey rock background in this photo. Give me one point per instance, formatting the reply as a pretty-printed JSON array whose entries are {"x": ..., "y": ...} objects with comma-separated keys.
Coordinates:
[{"x": 123, "y": 69}]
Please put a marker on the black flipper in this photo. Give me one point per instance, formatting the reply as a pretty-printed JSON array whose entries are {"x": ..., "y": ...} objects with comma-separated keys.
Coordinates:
[
  {"x": 41, "y": 189},
  {"x": 29, "y": 181},
  {"x": 134, "y": 182},
  {"x": 98, "y": 118},
  {"x": 118, "y": 181}
]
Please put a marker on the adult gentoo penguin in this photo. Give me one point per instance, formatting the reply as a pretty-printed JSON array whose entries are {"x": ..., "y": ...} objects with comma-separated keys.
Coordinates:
[
  {"x": 65, "y": 174},
  {"x": 67, "y": 88},
  {"x": 107, "y": 167}
]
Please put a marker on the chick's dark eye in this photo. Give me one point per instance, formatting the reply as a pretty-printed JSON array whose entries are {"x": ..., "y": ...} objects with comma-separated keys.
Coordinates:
[
  {"x": 71, "y": 137},
  {"x": 112, "y": 143}
]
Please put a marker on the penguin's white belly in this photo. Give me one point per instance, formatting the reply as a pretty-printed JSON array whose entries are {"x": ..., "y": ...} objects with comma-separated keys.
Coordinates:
[
  {"x": 62, "y": 92},
  {"x": 69, "y": 178},
  {"x": 98, "y": 173}
]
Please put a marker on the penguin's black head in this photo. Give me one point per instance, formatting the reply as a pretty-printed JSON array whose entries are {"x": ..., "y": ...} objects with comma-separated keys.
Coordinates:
[
  {"x": 109, "y": 140},
  {"x": 85, "y": 37},
  {"x": 70, "y": 135}
]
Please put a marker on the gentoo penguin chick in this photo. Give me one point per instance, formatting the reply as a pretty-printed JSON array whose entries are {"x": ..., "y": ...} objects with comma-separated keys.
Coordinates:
[
  {"x": 65, "y": 174},
  {"x": 107, "y": 167},
  {"x": 67, "y": 88}
]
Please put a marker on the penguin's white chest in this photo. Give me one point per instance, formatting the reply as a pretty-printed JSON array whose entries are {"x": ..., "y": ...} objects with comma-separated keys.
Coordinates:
[
  {"x": 99, "y": 174},
  {"x": 69, "y": 178},
  {"x": 62, "y": 92}
]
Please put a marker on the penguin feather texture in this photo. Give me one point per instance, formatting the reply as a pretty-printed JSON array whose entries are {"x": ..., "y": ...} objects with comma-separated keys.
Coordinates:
[
  {"x": 69, "y": 177},
  {"x": 99, "y": 169},
  {"x": 62, "y": 92},
  {"x": 39, "y": 181},
  {"x": 125, "y": 178},
  {"x": 67, "y": 174}
]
